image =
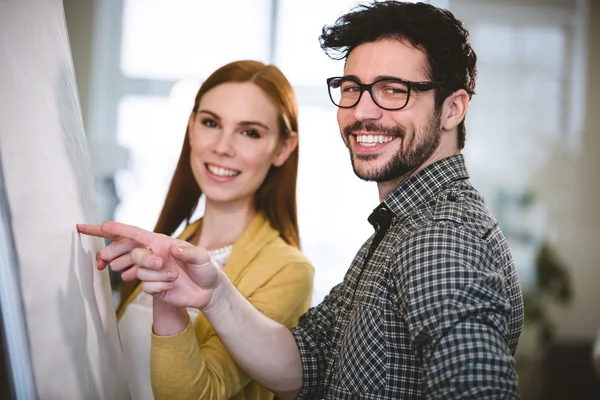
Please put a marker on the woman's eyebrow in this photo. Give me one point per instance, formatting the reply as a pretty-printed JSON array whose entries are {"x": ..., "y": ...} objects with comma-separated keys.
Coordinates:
[
  {"x": 248, "y": 123},
  {"x": 212, "y": 114},
  {"x": 240, "y": 123}
]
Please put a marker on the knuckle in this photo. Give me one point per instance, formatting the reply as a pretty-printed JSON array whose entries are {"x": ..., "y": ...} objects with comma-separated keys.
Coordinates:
[{"x": 137, "y": 254}]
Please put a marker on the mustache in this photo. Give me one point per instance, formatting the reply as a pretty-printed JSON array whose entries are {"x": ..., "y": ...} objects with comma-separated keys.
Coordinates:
[{"x": 373, "y": 127}]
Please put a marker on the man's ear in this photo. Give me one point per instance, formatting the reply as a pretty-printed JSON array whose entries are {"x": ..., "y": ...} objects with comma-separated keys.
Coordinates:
[
  {"x": 285, "y": 149},
  {"x": 455, "y": 109}
]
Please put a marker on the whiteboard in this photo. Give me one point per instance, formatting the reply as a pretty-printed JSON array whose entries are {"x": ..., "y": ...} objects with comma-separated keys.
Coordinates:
[{"x": 68, "y": 346}]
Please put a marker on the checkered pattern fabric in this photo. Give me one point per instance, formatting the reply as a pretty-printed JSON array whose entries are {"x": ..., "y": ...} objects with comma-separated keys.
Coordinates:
[{"x": 430, "y": 308}]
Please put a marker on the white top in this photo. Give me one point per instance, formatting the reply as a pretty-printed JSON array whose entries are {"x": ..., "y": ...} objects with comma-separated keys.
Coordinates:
[{"x": 135, "y": 328}]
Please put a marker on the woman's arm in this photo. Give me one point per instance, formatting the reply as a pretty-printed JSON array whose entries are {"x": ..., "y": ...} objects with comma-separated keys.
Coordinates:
[{"x": 184, "y": 367}]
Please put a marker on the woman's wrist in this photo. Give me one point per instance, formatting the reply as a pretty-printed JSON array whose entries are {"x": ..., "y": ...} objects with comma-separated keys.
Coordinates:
[{"x": 167, "y": 319}]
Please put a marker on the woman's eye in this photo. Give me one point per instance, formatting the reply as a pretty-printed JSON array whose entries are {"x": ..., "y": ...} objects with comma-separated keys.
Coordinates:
[
  {"x": 209, "y": 122},
  {"x": 253, "y": 133}
]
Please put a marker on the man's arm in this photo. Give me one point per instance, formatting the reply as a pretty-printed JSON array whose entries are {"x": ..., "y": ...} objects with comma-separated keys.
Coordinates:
[
  {"x": 457, "y": 312},
  {"x": 290, "y": 363},
  {"x": 265, "y": 349}
]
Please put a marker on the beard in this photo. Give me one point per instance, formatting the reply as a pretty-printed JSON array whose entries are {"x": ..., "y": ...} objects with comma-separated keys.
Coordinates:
[{"x": 412, "y": 153}]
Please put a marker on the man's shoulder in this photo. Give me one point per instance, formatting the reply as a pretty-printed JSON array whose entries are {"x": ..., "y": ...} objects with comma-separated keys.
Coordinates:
[
  {"x": 457, "y": 217},
  {"x": 456, "y": 225},
  {"x": 459, "y": 206}
]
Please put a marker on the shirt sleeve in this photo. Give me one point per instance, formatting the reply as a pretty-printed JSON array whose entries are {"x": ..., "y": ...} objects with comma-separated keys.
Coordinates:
[
  {"x": 457, "y": 313},
  {"x": 193, "y": 366},
  {"x": 313, "y": 337}
]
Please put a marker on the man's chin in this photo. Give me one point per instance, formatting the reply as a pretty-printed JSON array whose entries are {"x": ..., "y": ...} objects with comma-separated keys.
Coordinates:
[
  {"x": 370, "y": 173},
  {"x": 373, "y": 171}
]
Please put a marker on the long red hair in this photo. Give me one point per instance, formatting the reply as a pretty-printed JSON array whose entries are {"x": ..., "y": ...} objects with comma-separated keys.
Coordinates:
[{"x": 276, "y": 197}]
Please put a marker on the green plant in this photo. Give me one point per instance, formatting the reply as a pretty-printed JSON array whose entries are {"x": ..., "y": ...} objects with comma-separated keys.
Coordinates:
[{"x": 553, "y": 284}]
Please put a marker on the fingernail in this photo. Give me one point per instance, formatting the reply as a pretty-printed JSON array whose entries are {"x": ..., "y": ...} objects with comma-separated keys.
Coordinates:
[
  {"x": 170, "y": 284},
  {"x": 156, "y": 263},
  {"x": 180, "y": 250},
  {"x": 171, "y": 274}
]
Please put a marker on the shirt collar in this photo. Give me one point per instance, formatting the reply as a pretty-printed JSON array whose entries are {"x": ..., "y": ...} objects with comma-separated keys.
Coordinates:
[{"x": 419, "y": 189}]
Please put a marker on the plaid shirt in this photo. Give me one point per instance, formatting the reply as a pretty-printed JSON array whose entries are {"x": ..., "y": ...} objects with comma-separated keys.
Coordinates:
[{"x": 430, "y": 307}]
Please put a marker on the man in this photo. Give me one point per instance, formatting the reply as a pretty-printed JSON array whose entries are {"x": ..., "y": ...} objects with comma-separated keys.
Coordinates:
[{"x": 431, "y": 305}]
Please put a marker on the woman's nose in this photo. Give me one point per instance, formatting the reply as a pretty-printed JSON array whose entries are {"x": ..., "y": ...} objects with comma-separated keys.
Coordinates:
[{"x": 224, "y": 145}]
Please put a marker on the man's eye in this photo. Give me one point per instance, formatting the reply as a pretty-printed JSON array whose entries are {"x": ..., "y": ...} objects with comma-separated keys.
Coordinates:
[
  {"x": 350, "y": 89},
  {"x": 394, "y": 90}
]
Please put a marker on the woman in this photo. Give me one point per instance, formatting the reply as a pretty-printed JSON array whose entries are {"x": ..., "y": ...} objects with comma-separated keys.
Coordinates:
[{"x": 241, "y": 152}]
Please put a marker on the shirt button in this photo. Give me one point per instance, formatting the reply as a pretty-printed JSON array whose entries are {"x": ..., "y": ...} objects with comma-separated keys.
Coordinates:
[
  {"x": 383, "y": 211},
  {"x": 451, "y": 197}
]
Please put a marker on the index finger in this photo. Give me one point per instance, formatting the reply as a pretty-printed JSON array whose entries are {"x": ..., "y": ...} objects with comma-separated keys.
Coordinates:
[
  {"x": 94, "y": 230},
  {"x": 130, "y": 232}
]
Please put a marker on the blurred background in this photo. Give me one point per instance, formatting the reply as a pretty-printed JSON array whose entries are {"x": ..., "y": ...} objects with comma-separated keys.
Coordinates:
[{"x": 532, "y": 139}]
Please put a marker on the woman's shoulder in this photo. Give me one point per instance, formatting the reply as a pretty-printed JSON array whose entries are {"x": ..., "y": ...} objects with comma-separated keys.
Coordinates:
[
  {"x": 189, "y": 230},
  {"x": 279, "y": 254},
  {"x": 261, "y": 243},
  {"x": 276, "y": 264}
]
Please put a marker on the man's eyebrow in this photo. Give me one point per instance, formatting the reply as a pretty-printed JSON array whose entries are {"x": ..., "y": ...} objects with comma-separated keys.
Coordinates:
[
  {"x": 377, "y": 78},
  {"x": 356, "y": 78}
]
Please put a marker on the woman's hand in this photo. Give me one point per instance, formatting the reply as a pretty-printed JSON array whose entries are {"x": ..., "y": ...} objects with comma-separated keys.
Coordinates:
[
  {"x": 118, "y": 253},
  {"x": 174, "y": 271}
]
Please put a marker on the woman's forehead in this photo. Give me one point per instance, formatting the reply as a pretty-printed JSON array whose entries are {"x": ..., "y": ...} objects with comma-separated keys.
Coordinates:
[{"x": 237, "y": 101}]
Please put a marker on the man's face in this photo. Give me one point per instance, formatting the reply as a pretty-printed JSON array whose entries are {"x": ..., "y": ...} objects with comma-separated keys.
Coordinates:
[{"x": 386, "y": 145}]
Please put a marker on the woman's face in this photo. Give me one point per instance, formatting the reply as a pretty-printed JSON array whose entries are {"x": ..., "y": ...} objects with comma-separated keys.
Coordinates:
[{"x": 234, "y": 139}]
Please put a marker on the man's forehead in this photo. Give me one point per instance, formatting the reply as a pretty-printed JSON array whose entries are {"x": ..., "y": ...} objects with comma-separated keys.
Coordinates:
[{"x": 389, "y": 57}]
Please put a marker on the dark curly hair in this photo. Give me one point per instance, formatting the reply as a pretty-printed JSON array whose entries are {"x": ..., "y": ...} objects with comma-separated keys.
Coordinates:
[{"x": 444, "y": 39}]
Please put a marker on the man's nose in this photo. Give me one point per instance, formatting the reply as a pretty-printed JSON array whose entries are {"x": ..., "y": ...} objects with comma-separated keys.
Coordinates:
[{"x": 366, "y": 109}]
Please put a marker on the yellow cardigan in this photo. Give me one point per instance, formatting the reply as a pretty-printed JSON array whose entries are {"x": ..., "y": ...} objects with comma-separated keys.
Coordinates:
[{"x": 275, "y": 277}]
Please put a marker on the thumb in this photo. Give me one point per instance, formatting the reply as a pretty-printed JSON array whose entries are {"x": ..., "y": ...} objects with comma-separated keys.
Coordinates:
[
  {"x": 189, "y": 254},
  {"x": 198, "y": 264}
]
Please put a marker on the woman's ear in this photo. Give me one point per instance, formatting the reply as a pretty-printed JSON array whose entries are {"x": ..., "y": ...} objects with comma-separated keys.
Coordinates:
[
  {"x": 285, "y": 149},
  {"x": 190, "y": 122}
]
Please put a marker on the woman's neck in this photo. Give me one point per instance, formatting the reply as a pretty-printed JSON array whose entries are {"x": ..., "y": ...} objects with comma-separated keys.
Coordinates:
[{"x": 223, "y": 224}]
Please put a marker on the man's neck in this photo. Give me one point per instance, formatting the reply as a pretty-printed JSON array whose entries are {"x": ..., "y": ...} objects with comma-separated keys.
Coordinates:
[{"x": 385, "y": 188}]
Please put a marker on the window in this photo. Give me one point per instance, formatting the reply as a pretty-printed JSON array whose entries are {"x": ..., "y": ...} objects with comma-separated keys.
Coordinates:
[
  {"x": 523, "y": 109},
  {"x": 183, "y": 38}
]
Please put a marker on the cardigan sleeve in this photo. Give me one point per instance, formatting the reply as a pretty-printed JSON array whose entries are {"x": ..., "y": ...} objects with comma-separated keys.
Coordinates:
[{"x": 185, "y": 366}]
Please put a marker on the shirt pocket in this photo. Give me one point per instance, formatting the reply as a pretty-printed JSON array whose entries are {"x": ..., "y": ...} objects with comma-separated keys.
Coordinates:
[{"x": 363, "y": 353}]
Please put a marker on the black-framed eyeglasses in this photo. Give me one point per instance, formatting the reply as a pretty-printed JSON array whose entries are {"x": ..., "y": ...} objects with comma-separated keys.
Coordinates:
[{"x": 390, "y": 93}]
